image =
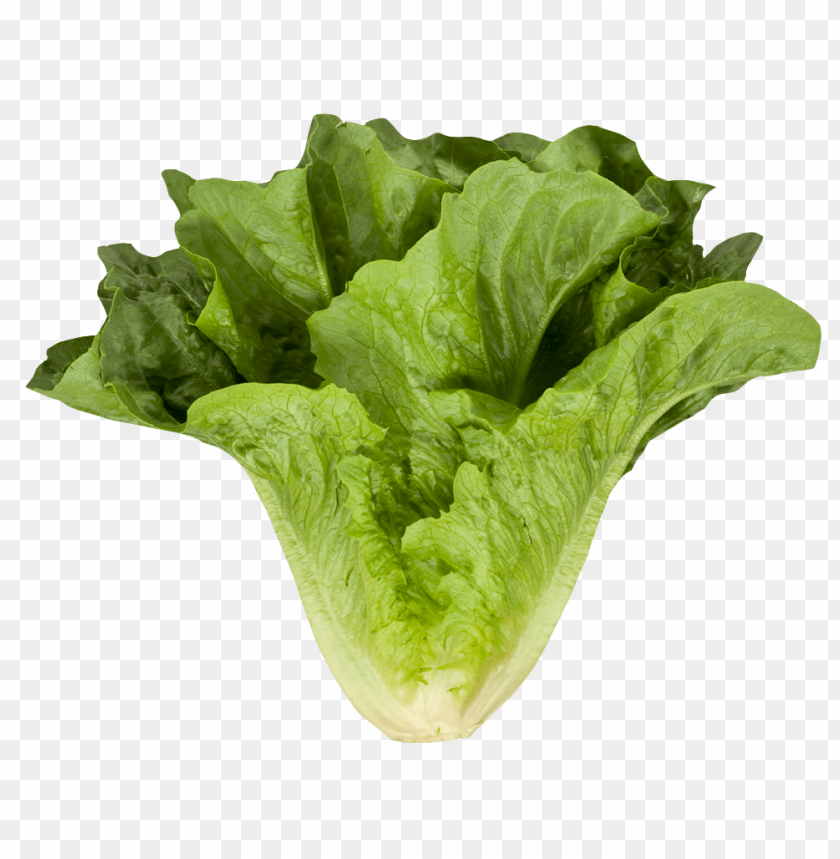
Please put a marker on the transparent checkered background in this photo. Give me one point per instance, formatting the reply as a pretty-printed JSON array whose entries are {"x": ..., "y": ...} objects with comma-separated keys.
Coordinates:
[{"x": 161, "y": 693}]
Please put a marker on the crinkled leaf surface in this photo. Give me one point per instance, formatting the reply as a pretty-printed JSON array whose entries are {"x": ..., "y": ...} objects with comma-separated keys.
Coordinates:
[
  {"x": 149, "y": 362},
  {"x": 528, "y": 501},
  {"x": 289, "y": 439},
  {"x": 459, "y": 605}
]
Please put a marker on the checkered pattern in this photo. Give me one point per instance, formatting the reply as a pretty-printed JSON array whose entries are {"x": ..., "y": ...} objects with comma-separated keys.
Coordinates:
[{"x": 161, "y": 693}]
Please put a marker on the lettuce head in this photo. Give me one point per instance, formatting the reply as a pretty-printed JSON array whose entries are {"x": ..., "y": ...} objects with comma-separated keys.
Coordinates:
[{"x": 434, "y": 359}]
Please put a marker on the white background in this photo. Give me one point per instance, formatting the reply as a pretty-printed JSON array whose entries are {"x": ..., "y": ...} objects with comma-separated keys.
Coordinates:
[{"x": 161, "y": 693}]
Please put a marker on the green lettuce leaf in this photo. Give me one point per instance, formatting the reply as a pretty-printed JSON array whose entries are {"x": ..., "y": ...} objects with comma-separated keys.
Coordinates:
[
  {"x": 432, "y": 626},
  {"x": 178, "y": 186},
  {"x": 282, "y": 250},
  {"x": 622, "y": 300},
  {"x": 518, "y": 144},
  {"x": 450, "y": 159},
  {"x": 469, "y": 305},
  {"x": 149, "y": 362},
  {"x": 289, "y": 438},
  {"x": 590, "y": 148},
  {"x": 528, "y": 501},
  {"x": 655, "y": 266}
]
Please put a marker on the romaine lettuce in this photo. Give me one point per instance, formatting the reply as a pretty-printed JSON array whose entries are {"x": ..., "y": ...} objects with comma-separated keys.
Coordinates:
[{"x": 435, "y": 359}]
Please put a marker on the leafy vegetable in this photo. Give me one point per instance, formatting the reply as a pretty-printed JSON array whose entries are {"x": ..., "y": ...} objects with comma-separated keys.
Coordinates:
[{"x": 435, "y": 359}]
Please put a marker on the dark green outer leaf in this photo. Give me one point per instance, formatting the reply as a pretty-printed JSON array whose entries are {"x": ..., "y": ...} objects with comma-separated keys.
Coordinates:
[
  {"x": 669, "y": 256},
  {"x": 518, "y": 144},
  {"x": 604, "y": 152},
  {"x": 149, "y": 362},
  {"x": 263, "y": 288},
  {"x": 450, "y": 159},
  {"x": 366, "y": 206},
  {"x": 178, "y": 186},
  {"x": 729, "y": 260},
  {"x": 618, "y": 301}
]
